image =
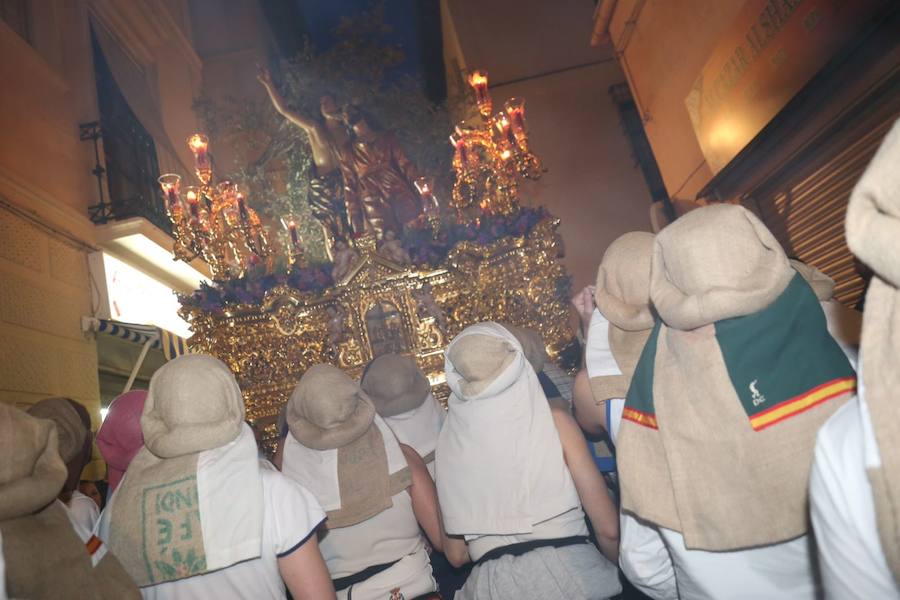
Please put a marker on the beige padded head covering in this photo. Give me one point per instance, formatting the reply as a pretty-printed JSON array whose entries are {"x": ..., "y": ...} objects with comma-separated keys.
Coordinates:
[
  {"x": 395, "y": 384},
  {"x": 328, "y": 409},
  {"x": 31, "y": 470},
  {"x": 69, "y": 426},
  {"x": 873, "y": 234},
  {"x": 623, "y": 285},
  {"x": 532, "y": 345},
  {"x": 194, "y": 404},
  {"x": 479, "y": 359},
  {"x": 720, "y": 262},
  {"x": 623, "y": 298}
]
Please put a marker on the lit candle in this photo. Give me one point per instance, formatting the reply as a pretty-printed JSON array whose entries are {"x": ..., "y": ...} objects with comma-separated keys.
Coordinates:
[
  {"x": 461, "y": 149},
  {"x": 292, "y": 228},
  {"x": 425, "y": 186},
  {"x": 199, "y": 145},
  {"x": 479, "y": 82},
  {"x": 193, "y": 202},
  {"x": 515, "y": 108}
]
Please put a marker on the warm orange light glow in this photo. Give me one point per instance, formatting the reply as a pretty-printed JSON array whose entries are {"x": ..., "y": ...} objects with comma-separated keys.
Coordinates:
[
  {"x": 191, "y": 196},
  {"x": 478, "y": 79},
  {"x": 502, "y": 123},
  {"x": 505, "y": 154},
  {"x": 198, "y": 143}
]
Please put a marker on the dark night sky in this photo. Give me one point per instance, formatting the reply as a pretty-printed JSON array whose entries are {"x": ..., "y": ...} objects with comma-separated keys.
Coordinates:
[{"x": 322, "y": 17}]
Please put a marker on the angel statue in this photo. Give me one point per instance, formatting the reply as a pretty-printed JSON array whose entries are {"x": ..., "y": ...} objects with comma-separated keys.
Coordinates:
[
  {"x": 326, "y": 137},
  {"x": 335, "y": 324}
]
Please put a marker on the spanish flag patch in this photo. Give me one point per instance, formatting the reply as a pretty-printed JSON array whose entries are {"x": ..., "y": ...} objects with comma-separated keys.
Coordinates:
[
  {"x": 801, "y": 403},
  {"x": 641, "y": 418}
]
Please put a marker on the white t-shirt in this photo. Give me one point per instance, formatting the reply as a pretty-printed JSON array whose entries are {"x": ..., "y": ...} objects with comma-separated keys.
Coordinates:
[
  {"x": 657, "y": 562},
  {"x": 290, "y": 516},
  {"x": 843, "y": 516},
  {"x": 391, "y": 535},
  {"x": 83, "y": 512}
]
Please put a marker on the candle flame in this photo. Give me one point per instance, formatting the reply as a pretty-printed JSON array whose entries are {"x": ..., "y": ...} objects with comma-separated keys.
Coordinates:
[
  {"x": 192, "y": 196},
  {"x": 478, "y": 79},
  {"x": 198, "y": 143}
]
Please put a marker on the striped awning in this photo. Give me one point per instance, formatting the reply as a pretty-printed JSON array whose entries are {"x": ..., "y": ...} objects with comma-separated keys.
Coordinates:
[{"x": 171, "y": 345}]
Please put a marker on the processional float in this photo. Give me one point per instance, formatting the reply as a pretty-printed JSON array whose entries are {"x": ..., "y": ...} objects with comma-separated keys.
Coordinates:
[{"x": 487, "y": 258}]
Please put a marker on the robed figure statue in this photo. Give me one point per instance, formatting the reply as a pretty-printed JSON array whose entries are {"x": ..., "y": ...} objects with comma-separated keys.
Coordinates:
[
  {"x": 364, "y": 181},
  {"x": 378, "y": 179}
]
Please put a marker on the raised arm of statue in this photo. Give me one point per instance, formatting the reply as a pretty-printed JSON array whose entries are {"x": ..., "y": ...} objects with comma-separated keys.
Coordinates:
[
  {"x": 277, "y": 99},
  {"x": 323, "y": 151}
]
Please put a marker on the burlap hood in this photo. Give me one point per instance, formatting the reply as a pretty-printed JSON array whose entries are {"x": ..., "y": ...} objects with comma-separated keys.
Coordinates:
[
  {"x": 194, "y": 404},
  {"x": 328, "y": 409},
  {"x": 873, "y": 234},
  {"x": 31, "y": 471},
  {"x": 395, "y": 384},
  {"x": 719, "y": 262},
  {"x": 622, "y": 296},
  {"x": 119, "y": 437},
  {"x": 623, "y": 284},
  {"x": 532, "y": 345},
  {"x": 69, "y": 426}
]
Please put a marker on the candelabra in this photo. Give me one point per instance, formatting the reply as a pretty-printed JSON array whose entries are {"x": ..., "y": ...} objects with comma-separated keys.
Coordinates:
[
  {"x": 489, "y": 158},
  {"x": 214, "y": 222}
]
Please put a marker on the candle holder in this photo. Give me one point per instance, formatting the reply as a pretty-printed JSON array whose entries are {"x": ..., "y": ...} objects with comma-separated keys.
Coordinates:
[
  {"x": 489, "y": 159},
  {"x": 214, "y": 222},
  {"x": 170, "y": 184}
]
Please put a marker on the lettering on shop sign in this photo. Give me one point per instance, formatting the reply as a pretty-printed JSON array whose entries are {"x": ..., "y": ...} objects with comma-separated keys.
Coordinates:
[{"x": 767, "y": 54}]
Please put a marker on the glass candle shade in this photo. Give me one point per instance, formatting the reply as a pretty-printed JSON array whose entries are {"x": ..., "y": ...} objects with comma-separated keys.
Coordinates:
[
  {"x": 199, "y": 146},
  {"x": 170, "y": 184},
  {"x": 479, "y": 82},
  {"x": 425, "y": 187}
]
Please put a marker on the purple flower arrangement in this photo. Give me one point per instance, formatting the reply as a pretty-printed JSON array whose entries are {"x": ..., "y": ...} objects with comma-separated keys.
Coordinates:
[
  {"x": 252, "y": 288},
  {"x": 425, "y": 248}
]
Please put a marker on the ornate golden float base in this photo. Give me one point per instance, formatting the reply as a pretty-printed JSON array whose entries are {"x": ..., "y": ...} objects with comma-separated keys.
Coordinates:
[{"x": 380, "y": 306}]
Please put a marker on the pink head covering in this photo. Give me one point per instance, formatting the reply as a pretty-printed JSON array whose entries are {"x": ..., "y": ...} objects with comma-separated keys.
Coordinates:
[{"x": 120, "y": 437}]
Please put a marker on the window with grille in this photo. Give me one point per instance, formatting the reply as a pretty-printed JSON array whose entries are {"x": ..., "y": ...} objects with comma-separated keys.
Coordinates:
[{"x": 131, "y": 164}]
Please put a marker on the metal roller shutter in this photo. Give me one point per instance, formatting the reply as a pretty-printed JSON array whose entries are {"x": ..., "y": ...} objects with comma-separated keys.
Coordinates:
[{"x": 806, "y": 210}]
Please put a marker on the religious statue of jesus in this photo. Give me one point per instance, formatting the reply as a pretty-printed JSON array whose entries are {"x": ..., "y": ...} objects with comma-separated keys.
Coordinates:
[
  {"x": 364, "y": 183},
  {"x": 326, "y": 137}
]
